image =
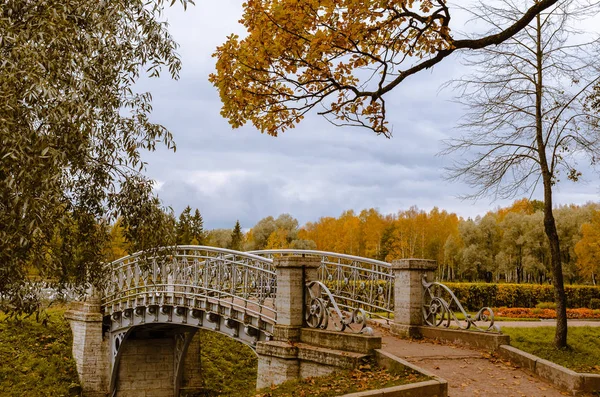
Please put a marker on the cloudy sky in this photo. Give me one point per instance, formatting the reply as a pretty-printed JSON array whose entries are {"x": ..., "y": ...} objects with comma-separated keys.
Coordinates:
[{"x": 313, "y": 170}]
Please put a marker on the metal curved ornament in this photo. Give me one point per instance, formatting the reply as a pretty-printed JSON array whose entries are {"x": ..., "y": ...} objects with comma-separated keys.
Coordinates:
[
  {"x": 358, "y": 322},
  {"x": 315, "y": 315},
  {"x": 321, "y": 309},
  {"x": 438, "y": 311}
]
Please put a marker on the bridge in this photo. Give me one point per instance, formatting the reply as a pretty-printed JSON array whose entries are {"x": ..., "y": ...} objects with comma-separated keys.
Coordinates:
[{"x": 134, "y": 333}]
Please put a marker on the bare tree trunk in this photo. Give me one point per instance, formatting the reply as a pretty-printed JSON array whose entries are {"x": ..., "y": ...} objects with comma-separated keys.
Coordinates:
[{"x": 560, "y": 338}]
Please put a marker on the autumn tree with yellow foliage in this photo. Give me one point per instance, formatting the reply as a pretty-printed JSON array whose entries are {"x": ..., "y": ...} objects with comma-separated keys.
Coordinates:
[
  {"x": 339, "y": 58},
  {"x": 588, "y": 248}
]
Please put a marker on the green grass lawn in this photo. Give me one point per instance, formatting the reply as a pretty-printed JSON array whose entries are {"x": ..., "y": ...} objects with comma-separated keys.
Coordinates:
[
  {"x": 35, "y": 360},
  {"x": 228, "y": 367},
  {"x": 582, "y": 355}
]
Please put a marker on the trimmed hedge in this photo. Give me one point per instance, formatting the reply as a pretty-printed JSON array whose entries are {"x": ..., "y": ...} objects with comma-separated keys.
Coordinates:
[{"x": 474, "y": 296}]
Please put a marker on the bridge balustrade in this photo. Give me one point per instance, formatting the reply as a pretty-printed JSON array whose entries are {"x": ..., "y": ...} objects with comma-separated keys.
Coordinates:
[
  {"x": 354, "y": 282},
  {"x": 193, "y": 277}
]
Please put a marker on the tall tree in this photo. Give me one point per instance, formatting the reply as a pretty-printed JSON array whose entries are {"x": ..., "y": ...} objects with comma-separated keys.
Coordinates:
[
  {"x": 512, "y": 245},
  {"x": 183, "y": 229},
  {"x": 118, "y": 246},
  {"x": 197, "y": 228},
  {"x": 219, "y": 238},
  {"x": 340, "y": 56},
  {"x": 284, "y": 229},
  {"x": 73, "y": 125},
  {"x": 527, "y": 120},
  {"x": 237, "y": 237},
  {"x": 588, "y": 249}
]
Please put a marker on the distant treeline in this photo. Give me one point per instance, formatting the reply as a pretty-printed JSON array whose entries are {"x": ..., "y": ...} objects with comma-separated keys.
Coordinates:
[{"x": 505, "y": 245}]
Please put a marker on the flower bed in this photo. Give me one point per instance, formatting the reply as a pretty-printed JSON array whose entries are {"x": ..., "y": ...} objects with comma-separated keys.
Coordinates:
[{"x": 521, "y": 312}]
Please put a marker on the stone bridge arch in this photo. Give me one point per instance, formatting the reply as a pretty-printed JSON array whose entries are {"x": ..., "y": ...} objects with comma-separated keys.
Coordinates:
[
  {"x": 189, "y": 288},
  {"x": 164, "y": 358}
]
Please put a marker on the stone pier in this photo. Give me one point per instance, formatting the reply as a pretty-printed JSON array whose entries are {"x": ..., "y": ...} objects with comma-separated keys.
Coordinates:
[
  {"x": 298, "y": 352},
  {"x": 278, "y": 359},
  {"x": 408, "y": 294},
  {"x": 90, "y": 348}
]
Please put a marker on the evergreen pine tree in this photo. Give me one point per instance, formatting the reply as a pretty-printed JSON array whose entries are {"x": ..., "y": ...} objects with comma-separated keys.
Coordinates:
[
  {"x": 197, "y": 228},
  {"x": 184, "y": 227},
  {"x": 237, "y": 238}
]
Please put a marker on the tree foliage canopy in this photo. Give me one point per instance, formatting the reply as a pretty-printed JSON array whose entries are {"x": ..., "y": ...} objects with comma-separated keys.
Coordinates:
[
  {"x": 72, "y": 128},
  {"x": 340, "y": 57}
]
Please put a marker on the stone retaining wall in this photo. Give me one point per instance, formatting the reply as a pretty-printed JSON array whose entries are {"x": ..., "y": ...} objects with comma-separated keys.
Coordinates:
[{"x": 562, "y": 377}]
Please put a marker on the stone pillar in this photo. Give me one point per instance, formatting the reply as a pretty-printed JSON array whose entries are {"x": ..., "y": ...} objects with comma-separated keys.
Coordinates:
[
  {"x": 278, "y": 360},
  {"x": 293, "y": 272},
  {"x": 277, "y": 363},
  {"x": 408, "y": 294},
  {"x": 192, "y": 373},
  {"x": 90, "y": 351}
]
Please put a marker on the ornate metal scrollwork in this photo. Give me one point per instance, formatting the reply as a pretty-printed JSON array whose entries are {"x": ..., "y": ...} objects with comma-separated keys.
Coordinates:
[
  {"x": 440, "y": 306},
  {"x": 192, "y": 277},
  {"x": 321, "y": 310},
  {"x": 355, "y": 282}
]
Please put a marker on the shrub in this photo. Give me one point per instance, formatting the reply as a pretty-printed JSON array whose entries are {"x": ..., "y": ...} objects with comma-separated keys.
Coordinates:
[
  {"x": 474, "y": 296},
  {"x": 546, "y": 305},
  {"x": 594, "y": 303}
]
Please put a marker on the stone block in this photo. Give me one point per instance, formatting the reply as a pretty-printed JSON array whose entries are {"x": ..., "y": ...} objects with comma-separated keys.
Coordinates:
[
  {"x": 292, "y": 274},
  {"x": 408, "y": 289},
  {"x": 518, "y": 357},
  {"x": 406, "y": 331},
  {"x": 297, "y": 262},
  {"x": 429, "y": 388},
  {"x": 330, "y": 357},
  {"x": 483, "y": 340},
  {"x": 147, "y": 366},
  {"x": 90, "y": 350},
  {"x": 414, "y": 264},
  {"x": 591, "y": 383},
  {"x": 278, "y": 349},
  {"x": 286, "y": 333},
  {"x": 559, "y": 375},
  {"x": 340, "y": 340},
  {"x": 274, "y": 370},
  {"x": 310, "y": 369}
]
